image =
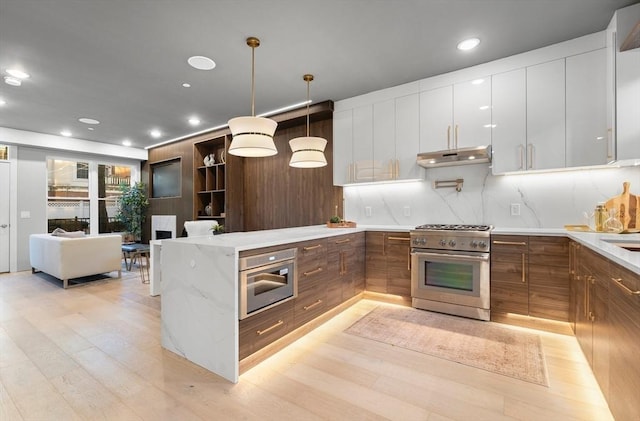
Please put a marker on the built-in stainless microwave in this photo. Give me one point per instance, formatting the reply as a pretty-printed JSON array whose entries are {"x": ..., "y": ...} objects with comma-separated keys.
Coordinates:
[{"x": 266, "y": 280}]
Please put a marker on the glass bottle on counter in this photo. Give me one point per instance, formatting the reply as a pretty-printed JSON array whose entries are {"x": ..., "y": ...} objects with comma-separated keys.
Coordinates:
[
  {"x": 600, "y": 216},
  {"x": 613, "y": 224}
]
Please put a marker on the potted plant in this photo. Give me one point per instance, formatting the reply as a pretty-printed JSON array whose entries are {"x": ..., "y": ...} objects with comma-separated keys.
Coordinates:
[
  {"x": 132, "y": 209},
  {"x": 217, "y": 229}
]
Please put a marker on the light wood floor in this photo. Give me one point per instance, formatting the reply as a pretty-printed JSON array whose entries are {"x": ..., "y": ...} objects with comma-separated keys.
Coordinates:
[{"x": 93, "y": 352}]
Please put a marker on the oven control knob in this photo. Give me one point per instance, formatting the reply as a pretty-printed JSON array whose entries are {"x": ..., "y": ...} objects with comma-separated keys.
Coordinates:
[
  {"x": 423, "y": 241},
  {"x": 482, "y": 244},
  {"x": 474, "y": 243},
  {"x": 452, "y": 243},
  {"x": 442, "y": 243}
]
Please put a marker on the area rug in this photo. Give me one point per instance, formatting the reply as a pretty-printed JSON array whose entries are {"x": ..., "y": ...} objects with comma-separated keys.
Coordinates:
[{"x": 475, "y": 343}]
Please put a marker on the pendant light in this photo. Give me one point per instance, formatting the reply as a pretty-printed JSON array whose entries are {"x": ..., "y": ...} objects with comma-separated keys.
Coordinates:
[
  {"x": 252, "y": 136},
  {"x": 308, "y": 151}
]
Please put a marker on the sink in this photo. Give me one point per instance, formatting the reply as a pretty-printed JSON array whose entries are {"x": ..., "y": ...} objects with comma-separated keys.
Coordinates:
[{"x": 631, "y": 245}]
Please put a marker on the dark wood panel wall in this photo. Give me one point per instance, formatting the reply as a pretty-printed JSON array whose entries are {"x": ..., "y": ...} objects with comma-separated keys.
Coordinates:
[{"x": 273, "y": 194}]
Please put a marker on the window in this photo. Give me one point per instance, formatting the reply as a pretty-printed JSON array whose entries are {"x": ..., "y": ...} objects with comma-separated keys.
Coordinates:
[
  {"x": 81, "y": 192},
  {"x": 82, "y": 170}
]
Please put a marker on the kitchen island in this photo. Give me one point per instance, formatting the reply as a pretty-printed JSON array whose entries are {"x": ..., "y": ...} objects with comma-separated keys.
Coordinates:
[{"x": 199, "y": 297}]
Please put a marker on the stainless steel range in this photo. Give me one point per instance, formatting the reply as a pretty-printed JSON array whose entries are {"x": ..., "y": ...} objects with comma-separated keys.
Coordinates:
[{"x": 450, "y": 269}]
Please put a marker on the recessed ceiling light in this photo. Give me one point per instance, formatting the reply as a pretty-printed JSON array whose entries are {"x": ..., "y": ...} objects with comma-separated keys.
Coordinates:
[
  {"x": 477, "y": 81},
  {"x": 126, "y": 142},
  {"x": 13, "y": 81},
  {"x": 18, "y": 73},
  {"x": 155, "y": 133},
  {"x": 65, "y": 133},
  {"x": 194, "y": 121},
  {"x": 2, "y": 102},
  {"x": 87, "y": 120},
  {"x": 201, "y": 63},
  {"x": 468, "y": 44},
  {"x": 186, "y": 85}
]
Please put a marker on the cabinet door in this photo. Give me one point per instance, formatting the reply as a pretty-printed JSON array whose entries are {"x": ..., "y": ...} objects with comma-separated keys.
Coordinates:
[
  {"x": 627, "y": 88},
  {"x": 358, "y": 266},
  {"x": 436, "y": 119},
  {"x": 549, "y": 278},
  {"x": 384, "y": 140},
  {"x": 586, "y": 113},
  {"x": 342, "y": 147},
  {"x": 407, "y": 137},
  {"x": 509, "y": 278},
  {"x": 472, "y": 113},
  {"x": 509, "y": 121},
  {"x": 545, "y": 115},
  {"x": 363, "y": 144},
  {"x": 376, "y": 262},
  {"x": 398, "y": 249}
]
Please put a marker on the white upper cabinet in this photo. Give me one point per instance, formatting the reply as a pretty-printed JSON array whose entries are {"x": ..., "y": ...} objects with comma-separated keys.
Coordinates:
[
  {"x": 546, "y": 116},
  {"x": 627, "y": 87},
  {"x": 342, "y": 147},
  {"x": 586, "y": 112},
  {"x": 509, "y": 121},
  {"x": 436, "y": 119},
  {"x": 384, "y": 140},
  {"x": 472, "y": 113},
  {"x": 407, "y": 137},
  {"x": 363, "y": 163}
]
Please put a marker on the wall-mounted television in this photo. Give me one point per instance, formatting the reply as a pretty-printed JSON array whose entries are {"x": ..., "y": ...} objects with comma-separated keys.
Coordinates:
[{"x": 166, "y": 179}]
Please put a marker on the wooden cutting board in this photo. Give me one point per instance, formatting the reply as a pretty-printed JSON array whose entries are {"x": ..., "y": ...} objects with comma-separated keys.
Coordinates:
[{"x": 627, "y": 207}]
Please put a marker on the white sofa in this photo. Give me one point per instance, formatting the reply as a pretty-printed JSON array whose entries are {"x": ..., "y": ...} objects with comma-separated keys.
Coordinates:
[{"x": 69, "y": 258}]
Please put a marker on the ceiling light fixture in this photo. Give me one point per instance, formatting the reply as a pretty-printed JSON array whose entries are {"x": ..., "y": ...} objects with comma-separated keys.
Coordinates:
[
  {"x": 201, "y": 63},
  {"x": 155, "y": 133},
  {"x": 13, "y": 81},
  {"x": 308, "y": 152},
  {"x": 186, "y": 85},
  {"x": 65, "y": 133},
  {"x": 18, "y": 73},
  {"x": 87, "y": 120},
  {"x": 2, "y": 102},
  {"x": 252, "y": 136},
  {"x": 468, "y": 44},
  {"x": 126, "y": 142},
  {"x": 194, "y": 121}
]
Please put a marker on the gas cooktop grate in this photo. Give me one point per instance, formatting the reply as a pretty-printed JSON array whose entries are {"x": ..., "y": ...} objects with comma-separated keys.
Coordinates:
[{"x": 454, "y": 227}]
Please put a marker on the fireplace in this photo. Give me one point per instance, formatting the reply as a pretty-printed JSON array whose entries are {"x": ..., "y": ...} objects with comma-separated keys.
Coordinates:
[
  {"x": 162, "y": 234},
  {"x": 163, "y": 227}
]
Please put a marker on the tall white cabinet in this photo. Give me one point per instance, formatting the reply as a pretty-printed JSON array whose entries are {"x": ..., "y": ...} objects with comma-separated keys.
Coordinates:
[{"x": 509, "y": 121}]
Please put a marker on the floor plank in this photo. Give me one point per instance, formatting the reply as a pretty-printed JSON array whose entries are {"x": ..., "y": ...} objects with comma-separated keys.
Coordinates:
[{"x": 93, "y": 352}]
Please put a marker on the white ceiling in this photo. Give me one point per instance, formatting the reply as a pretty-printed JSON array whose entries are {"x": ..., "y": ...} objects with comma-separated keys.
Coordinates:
[{"x": 123, "y": 61}]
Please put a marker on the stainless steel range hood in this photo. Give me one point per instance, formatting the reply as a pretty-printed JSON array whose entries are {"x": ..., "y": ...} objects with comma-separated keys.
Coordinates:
[{"x": 451, "y": 157}]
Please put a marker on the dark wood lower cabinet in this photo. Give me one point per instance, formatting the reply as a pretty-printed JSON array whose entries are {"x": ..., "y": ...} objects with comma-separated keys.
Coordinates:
[
  {"x": 388, "y": 263},
  {"x": 261, "y": 329}
]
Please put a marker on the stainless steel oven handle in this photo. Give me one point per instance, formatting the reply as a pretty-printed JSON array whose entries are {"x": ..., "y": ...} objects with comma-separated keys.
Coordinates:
[{"x": 484, "y": 257}]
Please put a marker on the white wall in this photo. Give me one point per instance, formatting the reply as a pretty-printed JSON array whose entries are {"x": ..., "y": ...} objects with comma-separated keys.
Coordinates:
[{"x": 547, "y": 200}]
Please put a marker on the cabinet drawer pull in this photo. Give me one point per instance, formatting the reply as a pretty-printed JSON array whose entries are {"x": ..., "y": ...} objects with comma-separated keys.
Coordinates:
[
  {"x": 524, "y": 279},
  {"x": 448, "y": 137},
  {"x": 309, "y": 248},
  {"x": 625, "y": 288},
  {"x": 346, "y": 240},
  {"x": 270, "y": 328},
  {"x": 510, "y": 243},
  {"x": 455, "y": 143},
  {"x": 313, "y": 272},
  {"x": 399, "y": 238},
  {"x": 310, "y": 306}
]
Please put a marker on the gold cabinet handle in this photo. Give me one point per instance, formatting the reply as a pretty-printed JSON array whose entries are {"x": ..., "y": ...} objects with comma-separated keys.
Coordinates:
[
  {"x": 409, "y": 259},
  {"x": 270, "y": 328},
  {"x": 346, "y": 240},
  {"x": 448, "y": 137},
  {"x": 397, "y": 174},
  {"x": 587, "y": 279},
  {"x": 399, "y": 238},
  {"x": 524, "y": 279},
  {"x": 521, "y": 149},
  {"x": 313, "y": 272},
  {"x": 592, "y": 317},
  {"x": 456, "y": 138},
  {"x": 309, "y": 248},
  {"x": 510, "y": 243},
  {"x": 384, "y": 243},
  {"x": 343, "y": 263},
  {"x": 625, "y": 288},
  {"x": 310, "y": 306}
]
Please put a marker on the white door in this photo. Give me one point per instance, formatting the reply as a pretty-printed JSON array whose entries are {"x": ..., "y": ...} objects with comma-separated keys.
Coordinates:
[
  {"x": 342, "y": 147},
  {"x": 4, "y": 217},
  {"x": 384, "y": 140},
  {"x": 436, "y": 119},
  {"x": 407, "y": 137},
  {"x": 472, "y": 113}
]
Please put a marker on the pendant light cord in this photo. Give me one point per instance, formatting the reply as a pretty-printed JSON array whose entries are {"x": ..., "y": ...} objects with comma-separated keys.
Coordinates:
[
  {"x": 308, "y": 83},
  {"x": 253, "y": 82}
]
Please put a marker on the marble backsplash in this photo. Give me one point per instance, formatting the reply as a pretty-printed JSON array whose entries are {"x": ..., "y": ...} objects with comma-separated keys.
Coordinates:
[{"x": 546, "y": 200}]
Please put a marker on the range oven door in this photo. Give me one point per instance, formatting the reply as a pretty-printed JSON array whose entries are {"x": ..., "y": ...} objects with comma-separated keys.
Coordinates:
[
  {"x": 266, "y": 286},
  {"x": 451, "y": 277}
]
